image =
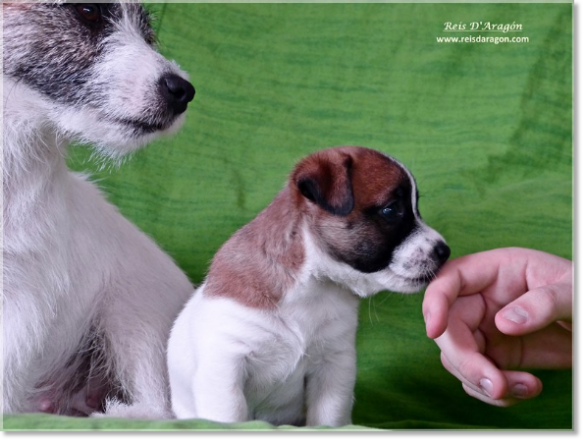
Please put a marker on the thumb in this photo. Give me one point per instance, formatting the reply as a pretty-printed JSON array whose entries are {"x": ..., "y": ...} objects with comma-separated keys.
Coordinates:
[{"x": 536, "y": 309}]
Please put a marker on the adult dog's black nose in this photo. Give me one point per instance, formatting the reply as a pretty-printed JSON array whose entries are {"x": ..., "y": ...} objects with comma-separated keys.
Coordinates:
[
  {"x": 177, "y": 92},
  {"x": 442, "y": 251}
]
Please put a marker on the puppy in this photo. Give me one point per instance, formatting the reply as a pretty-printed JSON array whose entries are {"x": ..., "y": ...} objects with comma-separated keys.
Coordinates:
[
  {"x": 89, "y": 300},
  {"x": 270, "y": 335}
]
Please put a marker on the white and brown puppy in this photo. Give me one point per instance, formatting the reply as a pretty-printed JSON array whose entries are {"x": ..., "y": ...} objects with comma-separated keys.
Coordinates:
[
  {"x": 270, "y": 335},
  {"x": 89, "y": 300}
]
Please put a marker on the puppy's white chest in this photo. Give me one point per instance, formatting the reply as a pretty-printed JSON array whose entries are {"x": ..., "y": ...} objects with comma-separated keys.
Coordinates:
[
  {"x": 304, "y": 333},
  {"x": 269, "y": 358},
  {"x": 274, "y": 387}
]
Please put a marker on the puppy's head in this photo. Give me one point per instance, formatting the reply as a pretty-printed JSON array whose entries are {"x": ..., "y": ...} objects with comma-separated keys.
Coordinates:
[
  {"x": 95, "y": 67},
  {"x": 362, "y": 211}
]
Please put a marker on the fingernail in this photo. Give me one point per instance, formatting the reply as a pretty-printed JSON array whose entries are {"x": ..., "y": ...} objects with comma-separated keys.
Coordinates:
[
  {"x": 486, "y": 385},
  {"x": 520, "y": 390},
  {"x": 516, "y": 314}
]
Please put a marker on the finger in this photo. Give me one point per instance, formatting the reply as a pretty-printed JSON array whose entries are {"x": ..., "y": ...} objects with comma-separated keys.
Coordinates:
[
  {"x": 505, "y": 402},
  {"x": 439, "y": 296},
  {"x": 472, "y": 377},
  {"x": 536, "y": 309},
  {"x": 520, "y": 386},
  {"x": 462, "y": 276},
  {"x": 550, "y": 348},
  {"x": 463, "y": 359}
]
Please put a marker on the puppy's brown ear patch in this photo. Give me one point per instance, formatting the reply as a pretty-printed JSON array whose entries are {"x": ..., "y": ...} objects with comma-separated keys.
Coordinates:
[{"x": 325, "y": 179}]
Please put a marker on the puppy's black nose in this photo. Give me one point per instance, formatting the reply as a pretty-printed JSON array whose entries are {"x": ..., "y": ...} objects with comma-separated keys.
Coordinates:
[
  {"x": 177, "y": 92},
  {"x": 442, "y": 251}
]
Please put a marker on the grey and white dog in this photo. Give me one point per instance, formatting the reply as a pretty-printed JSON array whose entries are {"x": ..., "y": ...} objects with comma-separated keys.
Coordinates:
[{"x": 89, "y": 300}]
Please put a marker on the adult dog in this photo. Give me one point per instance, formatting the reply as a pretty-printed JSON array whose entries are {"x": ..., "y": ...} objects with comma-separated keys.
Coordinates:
[{"x": 88, "y": 299}]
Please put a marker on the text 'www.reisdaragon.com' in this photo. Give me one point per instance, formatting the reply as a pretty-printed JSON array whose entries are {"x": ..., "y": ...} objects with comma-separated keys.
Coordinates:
[{"x": 479, "y": 39}]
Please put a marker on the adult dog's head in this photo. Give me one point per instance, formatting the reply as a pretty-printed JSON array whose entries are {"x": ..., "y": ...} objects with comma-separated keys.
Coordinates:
[{"x": 94, "y": 71}]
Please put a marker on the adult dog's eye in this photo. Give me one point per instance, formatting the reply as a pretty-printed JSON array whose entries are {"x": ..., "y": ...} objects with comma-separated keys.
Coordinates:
[
  {"x": 90, "y": 12},
  {"x": 393, "y": 212}
]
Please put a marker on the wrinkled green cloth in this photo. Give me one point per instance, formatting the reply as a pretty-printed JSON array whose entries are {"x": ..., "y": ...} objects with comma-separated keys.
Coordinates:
[{"x": 485, "y": 128}]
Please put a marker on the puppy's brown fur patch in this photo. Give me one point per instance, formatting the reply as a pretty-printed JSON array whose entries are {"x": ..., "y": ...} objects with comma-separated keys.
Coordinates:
[{"x": 260, "y": 261}]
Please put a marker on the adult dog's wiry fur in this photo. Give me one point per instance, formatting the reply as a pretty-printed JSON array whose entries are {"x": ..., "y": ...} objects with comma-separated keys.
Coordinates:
[
  {"x": 270, "y": 335},
  {"x": 88, "y": 299}
]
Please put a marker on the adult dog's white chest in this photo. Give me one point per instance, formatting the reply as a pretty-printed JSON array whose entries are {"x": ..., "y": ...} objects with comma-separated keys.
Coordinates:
[{"x": 276, "y": 353}]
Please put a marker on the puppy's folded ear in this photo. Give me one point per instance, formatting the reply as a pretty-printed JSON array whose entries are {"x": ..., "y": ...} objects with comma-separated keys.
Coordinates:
[{"x": 325, "y": 179}]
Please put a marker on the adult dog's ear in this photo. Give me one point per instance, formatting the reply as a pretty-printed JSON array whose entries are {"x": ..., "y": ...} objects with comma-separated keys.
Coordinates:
[{"x": 324, "y": 178}]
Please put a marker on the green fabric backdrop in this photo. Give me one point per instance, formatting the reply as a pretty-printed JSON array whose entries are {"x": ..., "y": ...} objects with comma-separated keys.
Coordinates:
[{"x": 485, "y": 128}]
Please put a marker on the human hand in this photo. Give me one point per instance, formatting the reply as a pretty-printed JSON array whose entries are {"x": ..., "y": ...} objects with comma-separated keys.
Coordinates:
[{"x": 496, "y": 312}]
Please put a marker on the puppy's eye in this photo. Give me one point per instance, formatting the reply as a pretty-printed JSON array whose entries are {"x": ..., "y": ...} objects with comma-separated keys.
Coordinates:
[
  {"x": 393, "y": 212},
  {"x": 89, "y": 12}
]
